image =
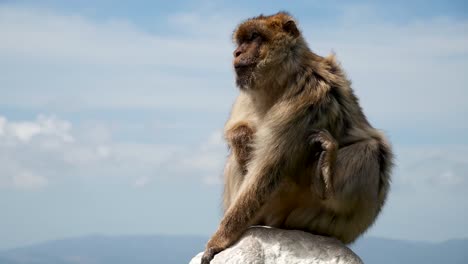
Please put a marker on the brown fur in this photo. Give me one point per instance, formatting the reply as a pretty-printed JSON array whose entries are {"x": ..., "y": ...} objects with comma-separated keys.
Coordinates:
[
  {"x": 240, "y": 137},
  {"x": 303, "y": 154}
]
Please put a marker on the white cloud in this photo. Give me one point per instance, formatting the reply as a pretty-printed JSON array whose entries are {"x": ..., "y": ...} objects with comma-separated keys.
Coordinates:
[
  {"x": 141, "y": 182},
  {"x": 2, "y": 125},
  {"x": 436, "y": 168},
  {"x": 49, "y": 128},
  {"x": 103, "y": 151},
  {"x": 412, "y": 72},
  {"x": 209, "y": 159},
  {"x": 216, "y": 25},
  {"x": 25, "y": 131},
  {"x": 36, "y": 153},
  {"x": 22, "y": 140},
  {"x": 50, "y": 36},
  {"x": 428, "y": 192},
  {"x": 42, "y": 126},
  {"x": 448, "y": 177},
  {"x": 77, "y": 63},
  {"x": 29, "y": 181}
]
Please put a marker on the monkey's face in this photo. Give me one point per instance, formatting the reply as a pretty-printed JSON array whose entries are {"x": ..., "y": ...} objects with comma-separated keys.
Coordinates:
[
  {"x": 262, "y": 42},
  {"x": 246, "y": 58}
]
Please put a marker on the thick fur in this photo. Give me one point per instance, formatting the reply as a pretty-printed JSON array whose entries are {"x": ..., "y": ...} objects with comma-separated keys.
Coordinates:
[{"x": 303, "y": 155}]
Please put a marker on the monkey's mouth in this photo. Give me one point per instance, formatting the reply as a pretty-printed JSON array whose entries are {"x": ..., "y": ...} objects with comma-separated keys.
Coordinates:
[{"x": 241, "y": 66}]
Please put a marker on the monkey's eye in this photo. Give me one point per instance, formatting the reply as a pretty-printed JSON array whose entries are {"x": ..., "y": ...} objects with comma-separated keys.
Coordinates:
[{"x": 254, "y": 36}]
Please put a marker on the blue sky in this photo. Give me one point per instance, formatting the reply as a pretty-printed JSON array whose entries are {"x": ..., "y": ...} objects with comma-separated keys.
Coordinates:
[{"x": 111, "y": 114}]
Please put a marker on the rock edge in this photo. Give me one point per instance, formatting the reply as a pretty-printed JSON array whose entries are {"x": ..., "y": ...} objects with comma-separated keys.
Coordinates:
[{"x": 264, "y": 245}]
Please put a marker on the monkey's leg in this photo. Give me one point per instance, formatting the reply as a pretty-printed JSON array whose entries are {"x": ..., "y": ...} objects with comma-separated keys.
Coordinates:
[
  {"x": 336, "y": 164},
  {"x": 233, "y": 179},
  {"x": 359, "y": 169},
  {"x": 360, "y": 175},
  {"x": 363, "y": 168}
]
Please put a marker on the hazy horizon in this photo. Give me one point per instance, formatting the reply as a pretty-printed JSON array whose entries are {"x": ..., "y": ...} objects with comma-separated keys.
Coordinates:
[{"x": 205, "y": 237}]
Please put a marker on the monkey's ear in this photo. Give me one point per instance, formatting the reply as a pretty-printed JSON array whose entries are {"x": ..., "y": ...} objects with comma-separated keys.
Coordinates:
[{"x": 291, "y": 28}]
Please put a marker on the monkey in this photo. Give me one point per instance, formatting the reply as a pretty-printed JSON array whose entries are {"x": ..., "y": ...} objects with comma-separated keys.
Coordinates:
[{"x": 302, "y": 154}]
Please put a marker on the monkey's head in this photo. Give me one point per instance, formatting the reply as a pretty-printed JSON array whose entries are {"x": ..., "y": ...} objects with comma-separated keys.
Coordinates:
[{"x": 263, "y": 44}]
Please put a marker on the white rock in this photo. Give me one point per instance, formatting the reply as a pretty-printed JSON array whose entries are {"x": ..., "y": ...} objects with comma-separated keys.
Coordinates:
[{"x": 263, "y": 245}]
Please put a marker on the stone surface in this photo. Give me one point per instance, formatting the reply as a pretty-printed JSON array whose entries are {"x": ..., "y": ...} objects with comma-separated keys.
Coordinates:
[{"x": 263, "y": 245}]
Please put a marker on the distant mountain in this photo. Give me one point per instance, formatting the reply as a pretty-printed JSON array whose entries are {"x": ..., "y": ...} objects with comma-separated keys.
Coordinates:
[
  {"x": 108, "y": 250},
  {"x": 387, "y": 251},
  {"x": 180, "y": 249}
]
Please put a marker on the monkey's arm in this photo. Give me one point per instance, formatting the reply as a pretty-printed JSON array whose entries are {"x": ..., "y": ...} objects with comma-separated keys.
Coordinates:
[
  {"x": 240, "y": 139},
  {"x": 269, "y": 162},
  {"x": 240, "y": 129},
  {"x": 259, "y": 183}
]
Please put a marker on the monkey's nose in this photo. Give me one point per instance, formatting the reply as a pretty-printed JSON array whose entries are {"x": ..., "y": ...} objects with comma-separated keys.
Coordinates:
[{"x": 237, "y": 53}]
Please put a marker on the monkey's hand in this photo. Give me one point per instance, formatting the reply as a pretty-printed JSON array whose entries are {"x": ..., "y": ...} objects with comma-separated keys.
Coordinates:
[
  {"x": 213, "y": 247},
  {"x": 209, "y": 254},
  {"x": 240, "y": 138},
  {"x": 323, "y": 182}
]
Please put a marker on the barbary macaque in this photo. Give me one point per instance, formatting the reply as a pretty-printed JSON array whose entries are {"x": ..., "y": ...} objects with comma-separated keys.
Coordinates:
[{"x": 303, "y": 155}]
